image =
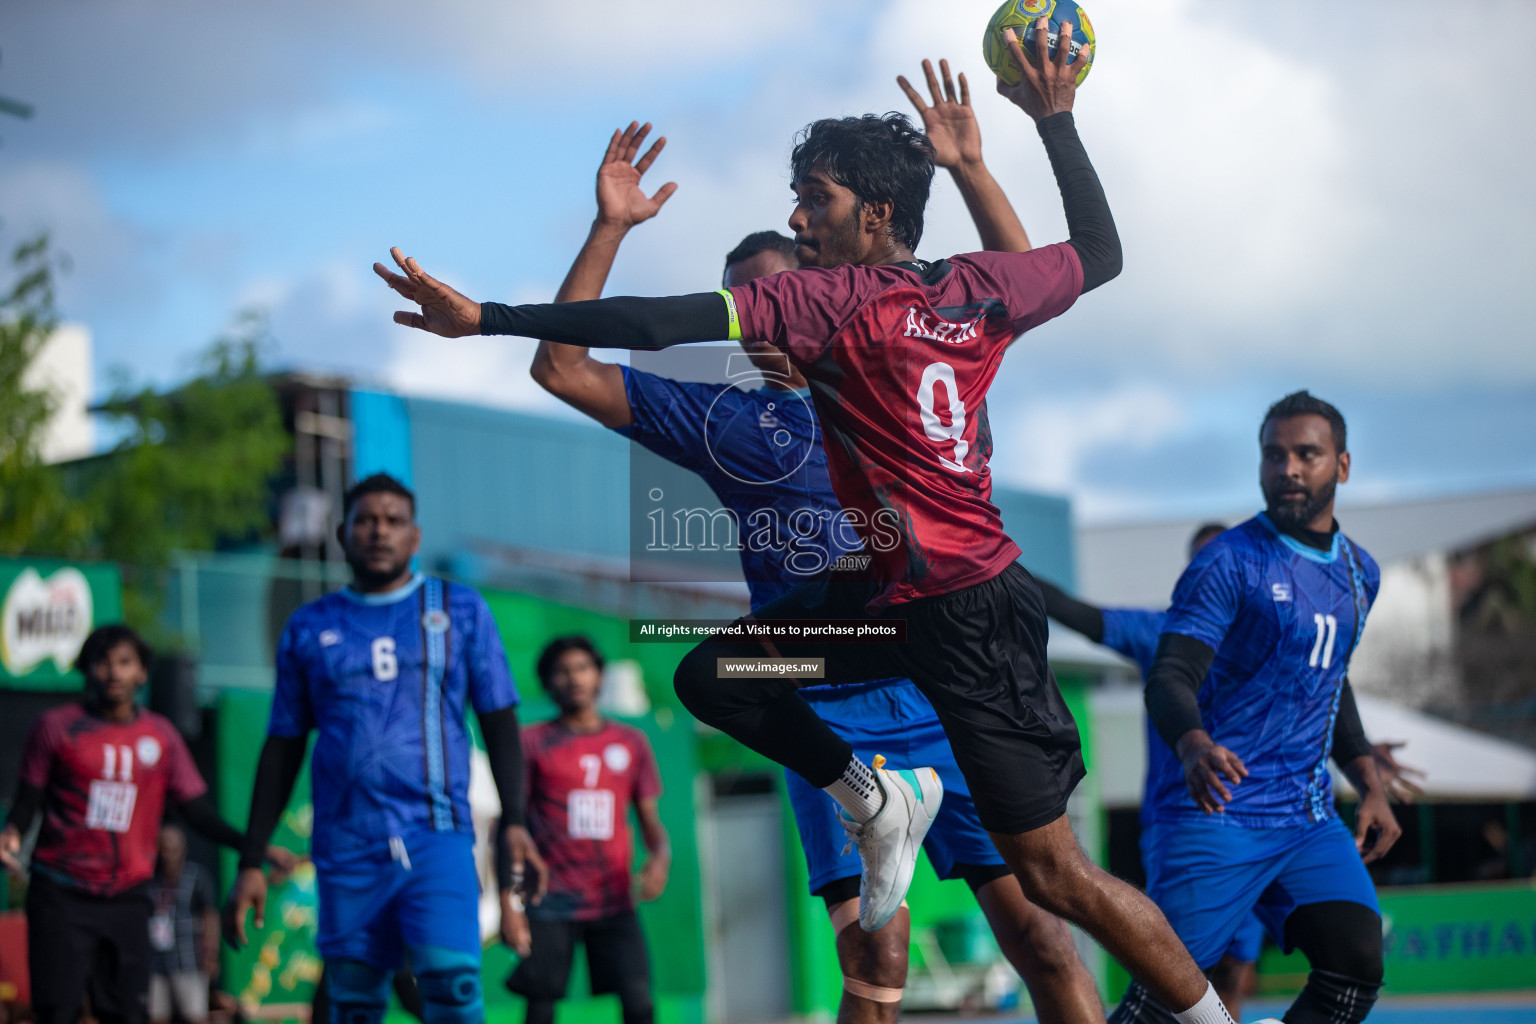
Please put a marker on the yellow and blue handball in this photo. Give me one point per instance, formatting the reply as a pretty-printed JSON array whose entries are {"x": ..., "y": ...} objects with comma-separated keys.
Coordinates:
[{"x": 1021, "y": 15}]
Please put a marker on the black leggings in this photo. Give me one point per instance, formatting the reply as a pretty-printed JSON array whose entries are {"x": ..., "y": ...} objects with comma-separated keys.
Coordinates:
[{"x": 1342, "y": 943}]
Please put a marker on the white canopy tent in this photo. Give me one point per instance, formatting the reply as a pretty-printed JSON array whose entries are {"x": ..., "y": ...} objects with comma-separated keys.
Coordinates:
[{"x": 1459, "y": 764}]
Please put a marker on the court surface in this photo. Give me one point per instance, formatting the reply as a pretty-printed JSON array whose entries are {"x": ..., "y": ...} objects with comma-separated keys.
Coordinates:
[{"x": 1495, "y": 1008}]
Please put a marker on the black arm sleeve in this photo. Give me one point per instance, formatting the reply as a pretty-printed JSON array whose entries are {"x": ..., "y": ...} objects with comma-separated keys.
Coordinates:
[
  {"x": 1072, "y": 613},
  {"x": 1090, "y": 225},
  {"x": 1349, "y": 742},
  {"x": 504, "y": 749},
  {"x": 1173, "y": 686},
  {"x": 205, "y": 819},
  {"x": 619, "y": 322},
  {"x": 24, "y": 807},
  {"x": 276, "y": 772}
]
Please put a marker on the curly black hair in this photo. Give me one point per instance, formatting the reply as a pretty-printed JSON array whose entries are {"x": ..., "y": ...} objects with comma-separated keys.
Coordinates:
[{"x": 878, "y": 159}]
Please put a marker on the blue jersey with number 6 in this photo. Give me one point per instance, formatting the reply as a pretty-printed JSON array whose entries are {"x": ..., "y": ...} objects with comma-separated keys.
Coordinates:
[
  {"x": 384, "y": 680},
  {"x": 1283, "y": 619}
]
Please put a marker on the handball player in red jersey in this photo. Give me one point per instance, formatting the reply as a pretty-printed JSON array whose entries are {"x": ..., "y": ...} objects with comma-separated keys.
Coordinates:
[
  {"x": 584, "y": 774},
  {"x": 102, "y": 772},
  {"x": 899, "y": 354}
]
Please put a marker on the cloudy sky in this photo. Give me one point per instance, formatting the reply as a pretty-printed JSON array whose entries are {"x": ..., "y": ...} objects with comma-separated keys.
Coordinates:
[{"x": 1341, "y": 205}]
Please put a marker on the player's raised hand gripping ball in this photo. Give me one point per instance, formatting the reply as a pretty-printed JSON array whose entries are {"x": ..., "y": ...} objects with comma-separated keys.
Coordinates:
[{"x": 1021, "y": 15}]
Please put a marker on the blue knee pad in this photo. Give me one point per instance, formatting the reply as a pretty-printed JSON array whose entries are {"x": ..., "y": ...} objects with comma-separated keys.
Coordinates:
[
  {"x": 449, "y": 982},
  {"x": 359, "y": 992}
]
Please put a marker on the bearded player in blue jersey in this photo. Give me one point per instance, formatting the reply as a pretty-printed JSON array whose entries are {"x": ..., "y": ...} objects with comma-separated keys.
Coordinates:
[
  {"x": 761, "y": 454},
  {"x": 1134, "y": 632},
  {"x": 1248, "y": 690},
  {"x": 383, "y": 670}
]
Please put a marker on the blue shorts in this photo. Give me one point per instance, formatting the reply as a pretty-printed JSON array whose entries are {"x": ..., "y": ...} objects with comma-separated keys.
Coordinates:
[
  {"x": 892, "y": 718},
  {"x": 1210, "y": 876},
  {"x": 1248, "y": 941},
  {"x": 373, "y": 907}
]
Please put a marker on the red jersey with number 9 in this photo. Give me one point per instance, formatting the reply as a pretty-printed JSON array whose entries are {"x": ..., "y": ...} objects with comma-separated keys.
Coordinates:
[
  {"x": 899, "y": 359},
  {"x": 105, "y": 786},
  {"x": 580, "y": 790}
]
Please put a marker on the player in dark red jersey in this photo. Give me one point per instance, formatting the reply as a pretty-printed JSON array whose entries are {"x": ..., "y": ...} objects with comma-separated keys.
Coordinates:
[
  {"x": 584, "y": 774},
  {"x": 102, "y": 771},
  {"x": 899, "y": 355}
]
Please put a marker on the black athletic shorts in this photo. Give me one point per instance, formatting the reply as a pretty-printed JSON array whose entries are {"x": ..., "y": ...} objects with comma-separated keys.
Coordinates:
[
  {"x": 78, "y": 944},
  {"x": 978, "y": 655},
  {"x": 616, "y": 959}
]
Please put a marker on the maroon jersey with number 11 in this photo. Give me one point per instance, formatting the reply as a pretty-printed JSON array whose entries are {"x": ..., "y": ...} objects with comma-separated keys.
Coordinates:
[
  {"x": 104, "y": 792},
  {"x": 580, "y": 790},
  {"x": 899, "y": 359}
]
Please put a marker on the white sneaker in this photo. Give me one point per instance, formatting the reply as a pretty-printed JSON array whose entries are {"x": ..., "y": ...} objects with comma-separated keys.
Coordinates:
[{"x": 888, "y": 843}]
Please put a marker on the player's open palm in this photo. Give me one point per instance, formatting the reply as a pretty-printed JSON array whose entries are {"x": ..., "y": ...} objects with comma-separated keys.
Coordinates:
[
  {"x": 1399, "y": 779},
  {"x": 1050, "y": 86},
  {"x": 444, "y": 312},
  {"x": 1210, "y": 772},
  {"x": 620, "y": 199},
  {"x": 949, "y": 121}
]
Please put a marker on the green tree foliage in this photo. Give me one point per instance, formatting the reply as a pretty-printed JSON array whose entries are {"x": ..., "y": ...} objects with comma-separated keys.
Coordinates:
[
  {"x": 193, "y": 466},
  {"x": 35, "y": 514}
]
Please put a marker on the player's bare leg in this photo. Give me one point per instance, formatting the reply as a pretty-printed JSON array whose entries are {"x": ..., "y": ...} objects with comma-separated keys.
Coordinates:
[
  {"x": 1054, "y": 874},
  {"x": 1039, "y": 946},
  {"x": 1233, "y": 979},
  {"x": 874, "y": 965}
]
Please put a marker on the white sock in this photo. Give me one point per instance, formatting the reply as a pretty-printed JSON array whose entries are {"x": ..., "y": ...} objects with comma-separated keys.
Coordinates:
[
  {"x": 1209, "y": 1010},
  {"x": 858, "y": 791}
]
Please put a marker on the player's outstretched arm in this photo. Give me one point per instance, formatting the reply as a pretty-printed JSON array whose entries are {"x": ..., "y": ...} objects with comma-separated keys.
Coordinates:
[
  {"x": 207, "y": 822},
  {"x": 951, "y": 127},
  {"x": 622, "y": 322},
  {"x": 1076, "y": 615},
  {"x": 276, "y": 772},
  {"x": 1046, "y": 93},
  {"x": 568, "y": 371}
]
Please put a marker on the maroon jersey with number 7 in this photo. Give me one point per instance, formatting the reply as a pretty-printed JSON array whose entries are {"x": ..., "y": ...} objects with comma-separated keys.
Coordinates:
[
  {"x": 104, "y": 786},
  {"x": 899, "y": 359},
  {"x": 581, "y": 787}
]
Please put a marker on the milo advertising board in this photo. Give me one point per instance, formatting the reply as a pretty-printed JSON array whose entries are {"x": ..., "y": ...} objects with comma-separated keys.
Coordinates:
[{"x": 47, "y": 609}]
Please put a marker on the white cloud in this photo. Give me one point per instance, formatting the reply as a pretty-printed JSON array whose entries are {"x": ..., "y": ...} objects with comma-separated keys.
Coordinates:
[
  {"x": 484, "y": 371},
  {"x": 1348, "y": 215},
  {"x": 1053, "y": 437}
]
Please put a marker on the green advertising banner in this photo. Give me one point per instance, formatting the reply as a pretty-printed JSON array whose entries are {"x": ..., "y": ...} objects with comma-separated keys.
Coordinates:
[
  {"x": 47, "y": 609},
  {"x": 1459, "y": 937},
  {"x": 1441, "y": 938}
]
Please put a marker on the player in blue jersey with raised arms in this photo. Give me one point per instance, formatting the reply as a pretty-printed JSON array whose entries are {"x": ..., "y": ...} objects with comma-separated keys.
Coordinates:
[
  {"x": 760, "y": 452},
  {"x": 383, "y": 670},
  {"x": 1248, "y": 690}
]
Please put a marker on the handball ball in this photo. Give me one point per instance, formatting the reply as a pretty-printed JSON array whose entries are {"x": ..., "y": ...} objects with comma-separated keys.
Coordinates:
[{"x": 1021, "y": 15}]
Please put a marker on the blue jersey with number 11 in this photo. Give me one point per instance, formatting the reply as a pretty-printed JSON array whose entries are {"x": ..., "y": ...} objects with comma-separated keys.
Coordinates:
[
  {"x": 384, "y": 680},
  {"x": 1283, "y": 619}
]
